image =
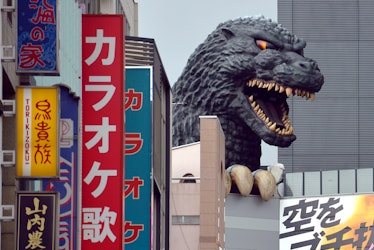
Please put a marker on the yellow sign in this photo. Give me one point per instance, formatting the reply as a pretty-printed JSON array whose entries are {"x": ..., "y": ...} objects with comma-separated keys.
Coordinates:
[{"x": 37, "y": 132}]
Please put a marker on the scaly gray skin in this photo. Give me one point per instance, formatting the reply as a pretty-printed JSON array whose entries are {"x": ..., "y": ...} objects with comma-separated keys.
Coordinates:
[{"x": 215, "y": 82}]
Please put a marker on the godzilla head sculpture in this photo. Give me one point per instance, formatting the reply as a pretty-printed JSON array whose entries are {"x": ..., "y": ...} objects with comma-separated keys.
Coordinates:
[{"x": 243, "y": 73}]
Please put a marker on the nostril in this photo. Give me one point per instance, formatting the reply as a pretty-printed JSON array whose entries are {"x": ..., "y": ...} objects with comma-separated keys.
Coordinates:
[{"x": 305, "y": 66}]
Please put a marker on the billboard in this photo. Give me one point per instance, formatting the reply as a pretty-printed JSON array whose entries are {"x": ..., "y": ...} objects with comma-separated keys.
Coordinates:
[
  {"x": 37, "y": 37},
  {"x": 335, "y": 222},
  {"x": 102, "y": 131},
  {"x": 37, "y": 132},
  {"x": 138, "y": 158},
  {"x": 66, "y": 184},
  {"x": 36, "y": 220}
]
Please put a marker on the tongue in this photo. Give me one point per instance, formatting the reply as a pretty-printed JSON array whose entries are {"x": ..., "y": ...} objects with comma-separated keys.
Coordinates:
[{"x": 271, "y": 111}]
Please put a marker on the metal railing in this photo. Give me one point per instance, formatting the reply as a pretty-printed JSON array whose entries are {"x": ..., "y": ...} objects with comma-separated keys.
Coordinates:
[{"x": 331, "y": 182}]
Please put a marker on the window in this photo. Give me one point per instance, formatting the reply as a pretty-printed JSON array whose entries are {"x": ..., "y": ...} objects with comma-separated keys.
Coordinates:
[
  {"x": 185, "y": 220},
  {"x": 188, "y": 178}
]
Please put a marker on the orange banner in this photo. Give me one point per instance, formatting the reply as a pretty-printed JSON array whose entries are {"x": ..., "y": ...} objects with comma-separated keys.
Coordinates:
[{"x": 342, "y": 222}]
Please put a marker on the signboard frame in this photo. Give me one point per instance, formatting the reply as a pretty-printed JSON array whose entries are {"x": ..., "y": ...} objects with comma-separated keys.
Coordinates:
[
  {"x": 138, "y": 155},
  {"x": 38, "y": 39},
  {"x": 102, "y": 131},
  {"x": 36, "y": 220},
  {"x": 37, "y": 151}
]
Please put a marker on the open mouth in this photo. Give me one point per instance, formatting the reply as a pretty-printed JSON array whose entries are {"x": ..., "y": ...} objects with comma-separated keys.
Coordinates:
[{"x": 269, "y": 101}]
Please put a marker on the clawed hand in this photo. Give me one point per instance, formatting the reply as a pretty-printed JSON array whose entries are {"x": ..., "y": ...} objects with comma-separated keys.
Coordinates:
[{"x": 265, "y": 180}]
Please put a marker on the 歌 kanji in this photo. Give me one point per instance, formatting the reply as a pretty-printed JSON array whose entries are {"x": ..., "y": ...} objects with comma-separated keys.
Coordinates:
[{"x": 96, "y": 224}]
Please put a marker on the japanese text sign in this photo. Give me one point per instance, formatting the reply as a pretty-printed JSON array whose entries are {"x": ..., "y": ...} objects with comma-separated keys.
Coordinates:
[
  {"x": 337, "y": 222},
  {"x": 66, "y": 184},
  {"x": 37, "y": 37},
  {"x": 102, "y": 131},
  {"x": 36, "y": 220},
  {"x": 37, "y": 132},
  {"x": 138, "y": 158}
]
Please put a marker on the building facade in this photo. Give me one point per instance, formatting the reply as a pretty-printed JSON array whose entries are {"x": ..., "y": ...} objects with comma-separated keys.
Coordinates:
[
  {"x": 329, "y": 166},
  {"x": 69, "y": 80},
  {"x": 143, "y": 52},
  {"x": 335, "y": 131},
  {"x": 198, "y": 195}
]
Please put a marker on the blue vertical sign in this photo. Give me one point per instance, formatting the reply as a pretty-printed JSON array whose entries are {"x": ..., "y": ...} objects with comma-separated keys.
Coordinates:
[
  {"x": 66, "y": 185},
  {"x": 138, "y": 158},
  {"x": 37, "y": 37}
]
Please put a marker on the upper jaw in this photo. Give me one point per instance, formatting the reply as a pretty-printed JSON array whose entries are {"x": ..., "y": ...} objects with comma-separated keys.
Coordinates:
[
  {"x": 268, "y": 101},
  {"x": 289, "y": 91}
]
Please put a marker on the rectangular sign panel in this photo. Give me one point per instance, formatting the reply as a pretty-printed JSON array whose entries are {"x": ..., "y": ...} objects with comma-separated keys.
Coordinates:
[
  {"x": 36, "y": 220},
  {"x": 37, "y": 132},
  {"x": 336, "y": 222},
  {"x": 102, "y": 136},
  {"x": 138, "y": 158},
  {"x": 37, "y": 37},
  {"x": 66, "y": 185}
]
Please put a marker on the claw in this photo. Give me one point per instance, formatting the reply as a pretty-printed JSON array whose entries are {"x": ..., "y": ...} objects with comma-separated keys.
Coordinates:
[
  {"x": 265, "y": 182},
  {"x": 277, "y": 170},
  {"x": 243, "y": 178},
  {"x": 227, "y": 183}
]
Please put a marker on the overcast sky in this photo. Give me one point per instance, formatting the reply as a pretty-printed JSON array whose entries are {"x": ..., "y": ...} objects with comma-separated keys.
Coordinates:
[{"x": 179, "y": 26}]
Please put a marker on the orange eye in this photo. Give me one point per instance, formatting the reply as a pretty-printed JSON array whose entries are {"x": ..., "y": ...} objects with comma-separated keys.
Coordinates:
[
  {"x": 265, "y": 45},
  {"x": 261, "y": 44}
]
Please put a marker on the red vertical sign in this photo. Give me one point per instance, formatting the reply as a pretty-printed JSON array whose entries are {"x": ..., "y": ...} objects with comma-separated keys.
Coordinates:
[{"x": 102, "y": 136}]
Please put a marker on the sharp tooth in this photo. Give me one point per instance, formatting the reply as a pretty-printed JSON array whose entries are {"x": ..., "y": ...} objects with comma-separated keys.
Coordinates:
[
  {"x": 290, "y": 130},
  {"x": 281, "y": 89},
  {"x": 251, "y": 98},
  {"x": 288, "y": 92},
  {"x": 312, "y": 96},
  {"x": 260, "y": 84},
  {"x": 273, "y": 127},
  {"x": 256, "y": 108},
  {"x": 271, "y": 85},
  {"x": 276, "y": 87}
]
